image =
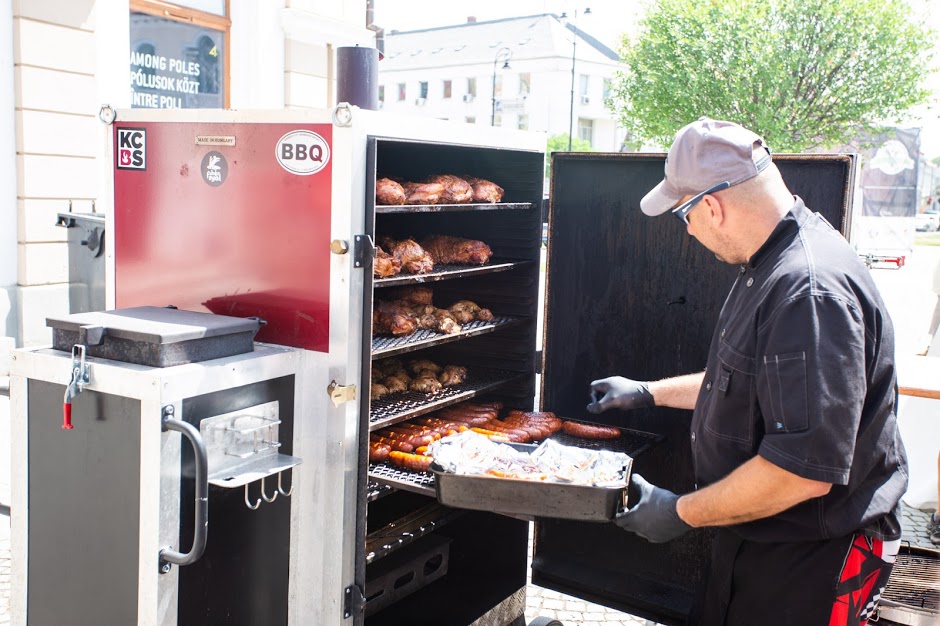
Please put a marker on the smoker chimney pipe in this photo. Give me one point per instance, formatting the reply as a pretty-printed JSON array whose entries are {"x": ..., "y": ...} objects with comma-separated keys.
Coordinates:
[{"x": 357, "y": 76}]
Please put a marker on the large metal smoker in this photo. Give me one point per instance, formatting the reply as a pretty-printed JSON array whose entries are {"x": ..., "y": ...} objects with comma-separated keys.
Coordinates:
[{"x": 272, "y": 215}]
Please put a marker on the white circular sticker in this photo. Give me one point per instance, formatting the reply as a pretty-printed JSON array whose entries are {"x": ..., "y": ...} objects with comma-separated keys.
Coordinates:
[{"x": 302, "y": 152}]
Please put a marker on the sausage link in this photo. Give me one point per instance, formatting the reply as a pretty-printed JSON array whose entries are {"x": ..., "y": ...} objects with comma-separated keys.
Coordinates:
[
  {"x": 591, "y": 431},
  {"x": 378, "y": 451},
  {"x": 492, "y": 435},
  {"x": 533, "y": 431},
  {"x": 412, "y": 462},
  {"x": 394, "y": 444},
  {"x": 410, "y": 437},
  {"x": 495, "y": 405},
  {"x": 516, "y": 434},
  {"x": 478, "y": 420},
  {"x": 448, "y": 425}
]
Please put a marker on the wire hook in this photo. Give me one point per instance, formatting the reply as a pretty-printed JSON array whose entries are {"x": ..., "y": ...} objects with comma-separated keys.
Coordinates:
[
  {"x": 264, "y": 495},
  {"x": 287, "y": 493},
  {"x": 248, "y": 502}
]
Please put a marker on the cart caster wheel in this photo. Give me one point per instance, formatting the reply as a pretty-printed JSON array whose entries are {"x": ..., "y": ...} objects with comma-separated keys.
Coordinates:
[{"x": 545, "y": 621}]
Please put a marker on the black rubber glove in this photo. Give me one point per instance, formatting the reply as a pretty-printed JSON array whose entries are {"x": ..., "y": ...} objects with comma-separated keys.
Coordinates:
[
  {"x": 654, "y": 515},
  {"x": 618, "y": 392}
]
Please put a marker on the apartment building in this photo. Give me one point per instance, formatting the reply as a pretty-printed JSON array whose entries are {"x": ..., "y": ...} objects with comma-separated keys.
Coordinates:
[{"x": 516, "y": 72}]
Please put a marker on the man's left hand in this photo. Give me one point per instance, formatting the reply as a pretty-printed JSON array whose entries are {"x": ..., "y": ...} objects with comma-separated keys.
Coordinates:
[{"x": 654, "y": 516}]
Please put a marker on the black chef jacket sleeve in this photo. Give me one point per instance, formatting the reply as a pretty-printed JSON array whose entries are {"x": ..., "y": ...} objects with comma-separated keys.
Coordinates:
[{"x": 811, "y": 385}]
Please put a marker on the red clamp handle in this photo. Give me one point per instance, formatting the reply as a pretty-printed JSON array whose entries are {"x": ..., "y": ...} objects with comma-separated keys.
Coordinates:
[{"x": 67, "y": 416}]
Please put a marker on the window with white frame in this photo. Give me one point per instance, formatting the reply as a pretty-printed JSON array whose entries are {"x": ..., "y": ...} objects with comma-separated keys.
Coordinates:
[
  {"x": 586, "y": 130},
  {"x": 448, "y": 88},
  {"x": 525, "y": 83}
]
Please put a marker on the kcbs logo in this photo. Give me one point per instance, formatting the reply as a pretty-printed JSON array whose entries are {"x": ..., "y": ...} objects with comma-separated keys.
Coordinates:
[
  {"x": 131, "y": 149},
  {"x": 302, "y": 152}
]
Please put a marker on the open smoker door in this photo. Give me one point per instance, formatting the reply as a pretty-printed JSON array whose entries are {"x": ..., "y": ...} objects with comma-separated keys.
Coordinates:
[{"x": 637, "y": 296}]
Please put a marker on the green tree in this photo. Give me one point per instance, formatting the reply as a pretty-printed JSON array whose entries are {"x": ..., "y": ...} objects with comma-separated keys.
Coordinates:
[
  {"x": 559, "y": 143},
  {"x": 802, "y": 73}
]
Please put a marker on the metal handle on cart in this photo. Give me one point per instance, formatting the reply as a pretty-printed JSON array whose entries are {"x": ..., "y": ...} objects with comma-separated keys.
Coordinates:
[{"x": 201, "y": 529}]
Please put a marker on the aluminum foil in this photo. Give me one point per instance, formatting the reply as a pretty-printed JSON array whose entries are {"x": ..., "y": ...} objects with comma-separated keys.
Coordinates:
[{"x": 471, "y": 453}]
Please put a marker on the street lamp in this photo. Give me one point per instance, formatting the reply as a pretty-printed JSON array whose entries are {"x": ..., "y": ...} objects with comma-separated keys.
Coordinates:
[
  {"x": 504, "y": 54},
  {"x": 574, "y": 48}
]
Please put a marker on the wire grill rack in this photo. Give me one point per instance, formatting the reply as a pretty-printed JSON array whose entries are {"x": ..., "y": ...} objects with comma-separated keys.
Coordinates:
[
  {"x": 446, "y": 208},
  {"x": 385, "y": 474},
  {"x": 403, "y": 405},
  {"x": 387, "y": 345},
  {"x": 915, "y": 580},
  {"x": 445, "y": 271}
]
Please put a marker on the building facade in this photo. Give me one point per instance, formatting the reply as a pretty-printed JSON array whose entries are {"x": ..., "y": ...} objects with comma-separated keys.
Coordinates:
[
  {"x": 61, "y": 60},
  {"x": 514, "y": 72}
]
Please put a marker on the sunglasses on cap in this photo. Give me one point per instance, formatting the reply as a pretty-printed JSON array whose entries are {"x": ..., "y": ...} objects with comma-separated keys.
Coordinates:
[{"x": 682, "y": 211}]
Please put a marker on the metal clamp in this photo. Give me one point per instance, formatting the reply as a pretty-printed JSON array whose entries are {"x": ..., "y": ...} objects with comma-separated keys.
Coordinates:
[
  {"x": 77, "y": 384},
  {"x": 201, "y": 528}
]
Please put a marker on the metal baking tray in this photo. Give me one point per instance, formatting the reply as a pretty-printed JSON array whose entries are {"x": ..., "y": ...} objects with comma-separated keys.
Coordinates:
[{"x": 528, "y": 499}]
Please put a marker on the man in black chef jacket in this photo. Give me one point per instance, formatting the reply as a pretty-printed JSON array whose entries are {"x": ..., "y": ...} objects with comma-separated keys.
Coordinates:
[{"x": 795, "y": 445}]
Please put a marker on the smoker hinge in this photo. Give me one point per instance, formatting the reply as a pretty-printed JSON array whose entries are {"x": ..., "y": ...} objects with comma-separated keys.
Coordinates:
[
  {"x": 538, "y": 362},
  {"x": 363, "y": 251},
  {"x": 340, "y": 393},
  {"x": 353, "y": 601}
]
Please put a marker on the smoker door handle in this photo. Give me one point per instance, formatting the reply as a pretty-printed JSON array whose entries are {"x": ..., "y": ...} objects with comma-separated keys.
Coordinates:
[{"x": 201, "y": 529}]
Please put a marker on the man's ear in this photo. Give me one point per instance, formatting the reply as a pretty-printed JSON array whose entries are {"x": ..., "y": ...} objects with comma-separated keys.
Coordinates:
[{"x": 716, "y": 212}]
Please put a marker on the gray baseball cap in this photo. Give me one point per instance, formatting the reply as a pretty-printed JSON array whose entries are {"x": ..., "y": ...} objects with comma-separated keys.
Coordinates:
[{"x": 704, "y": 154}]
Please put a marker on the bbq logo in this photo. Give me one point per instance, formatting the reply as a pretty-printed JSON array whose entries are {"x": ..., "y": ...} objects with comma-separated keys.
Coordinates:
[
  {"x": 302, "y": 152},
  {"x": 214, "y": 168},
  {"x": 131, "y": 149}
]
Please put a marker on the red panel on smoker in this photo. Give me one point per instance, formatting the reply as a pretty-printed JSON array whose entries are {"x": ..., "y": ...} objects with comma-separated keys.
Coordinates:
[{"x": 255, "y": 245}]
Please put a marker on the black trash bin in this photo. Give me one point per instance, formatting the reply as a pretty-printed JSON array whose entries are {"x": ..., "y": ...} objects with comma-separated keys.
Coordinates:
[{"x": 86, "y": 260}]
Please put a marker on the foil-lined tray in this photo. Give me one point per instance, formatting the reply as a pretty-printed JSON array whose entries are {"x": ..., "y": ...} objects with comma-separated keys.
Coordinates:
[{"x": 555, "y": 490}]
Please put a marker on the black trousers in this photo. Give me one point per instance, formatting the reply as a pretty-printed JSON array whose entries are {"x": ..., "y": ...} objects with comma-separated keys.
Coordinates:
[{"x": 818, "y": 583}]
